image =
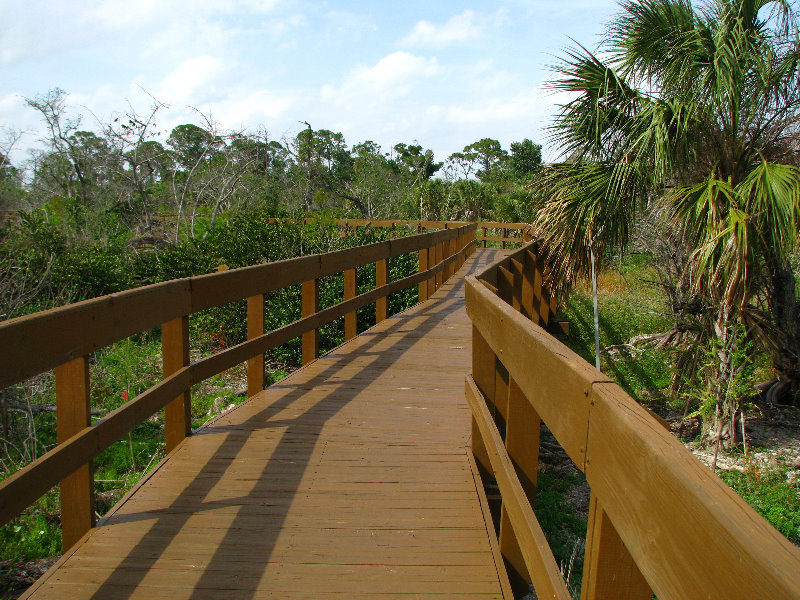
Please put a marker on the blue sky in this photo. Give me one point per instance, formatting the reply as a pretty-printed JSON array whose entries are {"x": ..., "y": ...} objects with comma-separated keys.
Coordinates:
[{"x": 440, "y": 72}]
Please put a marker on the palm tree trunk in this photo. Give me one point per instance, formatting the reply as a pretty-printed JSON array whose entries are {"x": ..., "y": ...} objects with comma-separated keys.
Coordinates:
[{"x": 785, "y": 311}]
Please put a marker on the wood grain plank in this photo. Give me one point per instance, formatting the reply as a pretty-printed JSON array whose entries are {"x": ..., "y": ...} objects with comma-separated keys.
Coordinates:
[
  {"x": 255, "y": 328},
  {"x": 175, "y": 356},
  {"x": 73, "y": 416}
]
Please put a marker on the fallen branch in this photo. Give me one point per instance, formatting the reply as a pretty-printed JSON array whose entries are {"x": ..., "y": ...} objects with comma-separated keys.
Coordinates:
[{"x": 36, "y": 408}]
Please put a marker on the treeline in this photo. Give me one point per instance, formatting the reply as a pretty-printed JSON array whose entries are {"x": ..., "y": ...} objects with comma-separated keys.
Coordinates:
[{"x": 130, "y": 170}]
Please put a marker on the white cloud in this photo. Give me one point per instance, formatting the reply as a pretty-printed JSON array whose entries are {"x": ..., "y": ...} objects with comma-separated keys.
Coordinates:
[
  {"x": 192, "y": 81},
  {"x": 461, "y": 28},
  {"x": 261, "y": 107},
  {"x": 392, "y": 76}
]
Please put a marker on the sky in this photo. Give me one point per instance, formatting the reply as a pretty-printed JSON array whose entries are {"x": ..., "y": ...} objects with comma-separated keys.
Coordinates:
[{"x": 437, "y": 72}]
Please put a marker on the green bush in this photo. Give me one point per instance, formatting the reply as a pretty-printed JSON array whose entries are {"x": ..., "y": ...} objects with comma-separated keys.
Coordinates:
[
  {"x": 776, "y": 499},
  {"x": 30, "y": 536}
]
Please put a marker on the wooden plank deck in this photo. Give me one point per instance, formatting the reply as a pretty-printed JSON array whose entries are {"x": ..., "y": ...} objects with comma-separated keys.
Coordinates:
[{"x": 352, "y": 478}]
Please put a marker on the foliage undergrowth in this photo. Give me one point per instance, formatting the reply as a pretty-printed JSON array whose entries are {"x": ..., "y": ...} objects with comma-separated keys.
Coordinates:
[
  {"x": 628, "y": 306},
  {"x": 775, "y": 498},
  {"x": 564, "y": 529}
]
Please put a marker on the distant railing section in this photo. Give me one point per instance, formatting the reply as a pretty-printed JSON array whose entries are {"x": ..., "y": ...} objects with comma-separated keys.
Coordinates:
[
  {"x": 63, "y": 339},
  {"x": 486, "y": 231},
  {"x": 659, "y": 522}
]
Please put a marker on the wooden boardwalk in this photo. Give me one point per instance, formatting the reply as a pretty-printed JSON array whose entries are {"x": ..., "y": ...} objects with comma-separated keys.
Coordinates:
[{"x": 352, "y": 478}]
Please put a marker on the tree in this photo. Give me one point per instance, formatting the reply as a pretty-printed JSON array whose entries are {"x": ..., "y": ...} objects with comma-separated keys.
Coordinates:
[
  {"x": 694, "y": 113},
  {"x": 525, "y": 160},
  {"x": 145, "y": 162},
  {"x": 207, "y": 173},
  {"x": 11, "y": 190},
  {"x": 419, "y": 162},
  {"x": 75, "y": 161},
  {"x": 485, "y": 158}
]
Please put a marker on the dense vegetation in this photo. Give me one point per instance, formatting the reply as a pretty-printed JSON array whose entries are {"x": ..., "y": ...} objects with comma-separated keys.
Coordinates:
[{"x": 129, "y": 171}]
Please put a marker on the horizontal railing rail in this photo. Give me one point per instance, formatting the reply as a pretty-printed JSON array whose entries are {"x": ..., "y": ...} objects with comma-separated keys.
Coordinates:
[
  {"x": 63, "y": 338},
  {"x": 659, "y": 522},
  {"x": 486, "y": 231}
]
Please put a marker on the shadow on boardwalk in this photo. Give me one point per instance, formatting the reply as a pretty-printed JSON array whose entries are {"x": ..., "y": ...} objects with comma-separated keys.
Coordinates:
[{"x": 250, "y": 524}]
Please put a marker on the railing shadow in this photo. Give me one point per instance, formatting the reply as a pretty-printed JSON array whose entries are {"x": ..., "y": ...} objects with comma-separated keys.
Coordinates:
[{"x": 306, "y": 427}]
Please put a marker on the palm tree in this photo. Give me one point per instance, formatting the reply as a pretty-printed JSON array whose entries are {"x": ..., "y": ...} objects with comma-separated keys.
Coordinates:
[{"x": 692, "y": 114}]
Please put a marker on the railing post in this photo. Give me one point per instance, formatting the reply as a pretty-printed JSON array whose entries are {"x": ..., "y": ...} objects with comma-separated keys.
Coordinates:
[
  {"x": 484, "y": 236},
  {"x": 504, "y": 236},
  {"x": 528, "y": 291},
  {"x": 381, "y": 278},
  {"x": 310, "y": 306},
  {"x": 483, "y": 372},
  {"x": 350, "y": 323},
  {"x": 72, "y": 416},
  {"x": 506, "y": 287},
  {"x": 423, "y": 266},
  {"x": 439, "y": 259},
  {"x": 175, "y": 350},
  {"x": 608, "y": 569},
  {"x": 431, "y": 264},
  {"x": 540, "y": 306},
  {"x": 523, "y": 426},
  {"x": 255, "y": 328},
  {"x": 452, "y": 249}
]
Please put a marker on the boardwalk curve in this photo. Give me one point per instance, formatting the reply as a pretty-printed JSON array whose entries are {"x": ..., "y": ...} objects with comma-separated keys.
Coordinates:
[{"x": 352, "y": 478}]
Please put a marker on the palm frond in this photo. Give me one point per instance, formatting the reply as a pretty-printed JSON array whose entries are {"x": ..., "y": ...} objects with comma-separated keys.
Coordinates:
[
  {"x": 585, "y": 206},
  {"x": 589, "y": 125},
  {"x": 771, "y": 195}
]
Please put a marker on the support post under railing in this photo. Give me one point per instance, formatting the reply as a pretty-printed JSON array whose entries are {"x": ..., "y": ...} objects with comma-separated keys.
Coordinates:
[
  {"x": 175, "y": 350},
  {"x": 310, "y": 306},
  {"x": 381, "y": 278},
  {"x": 523, "y": 426},
  {"x": 483, "y": 372},
  {"x": 484, "y": 236},
  {"x": 255, "y": 328},
  {"x": 423, "y": 266},
  {"x": 350, "y": 322},
  {"x": 431, "y": 263},
  {"x": 608, "y": 569},
  {"x": 451, "y": 250},
  {"x": 439, "y": 258},
  {"x": 72, "y": 416}
]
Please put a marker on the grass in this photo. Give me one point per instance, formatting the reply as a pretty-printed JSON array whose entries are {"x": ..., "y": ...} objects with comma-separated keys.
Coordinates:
[
  {"x": 769, "y": 492},
  {"x": 628, "y": 306},
  {"x": 564, "y": 529},
  {"x": 35, "y": 534}
]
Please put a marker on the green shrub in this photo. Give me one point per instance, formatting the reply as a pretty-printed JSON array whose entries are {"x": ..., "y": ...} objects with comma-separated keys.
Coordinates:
[
  {"x": 30, "y": 536},
  {"x": 776, "y": 499}
]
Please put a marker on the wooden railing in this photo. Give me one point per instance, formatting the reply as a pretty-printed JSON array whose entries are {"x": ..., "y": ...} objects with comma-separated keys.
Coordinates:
[
  {"x": 63, "y": 338},
  {"x": 659, "y": 522},
  {"x": 486, "y": 231}
]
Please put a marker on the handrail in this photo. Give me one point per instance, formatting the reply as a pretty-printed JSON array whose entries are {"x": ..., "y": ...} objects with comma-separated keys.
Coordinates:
[
  {"x": 660, "y": 522},
  {"x": 482, "y": 234},
  {"x": 62, "y": 338}
]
